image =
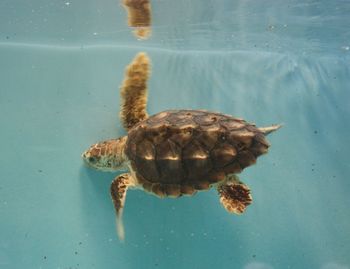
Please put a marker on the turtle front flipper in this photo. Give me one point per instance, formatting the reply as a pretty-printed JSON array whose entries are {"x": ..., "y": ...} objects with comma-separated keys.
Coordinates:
[
  {"x": 234, "y": 195},
  {"x": 118, "y": 190},
  {"x": 134, "y": 91}
]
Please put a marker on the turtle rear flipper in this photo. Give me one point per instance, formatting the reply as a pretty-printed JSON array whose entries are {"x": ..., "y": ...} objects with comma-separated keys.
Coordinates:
[
  {"x": 134, "y": 91},
  {"x": 234, "y": 196}
]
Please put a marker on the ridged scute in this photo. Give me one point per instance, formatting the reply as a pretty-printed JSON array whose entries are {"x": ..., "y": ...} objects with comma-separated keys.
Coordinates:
[{"x": 180, "y": 151}]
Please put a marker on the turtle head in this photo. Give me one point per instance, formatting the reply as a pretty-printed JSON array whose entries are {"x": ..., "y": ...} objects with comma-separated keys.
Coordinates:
[{"x": 107, "y": 155}]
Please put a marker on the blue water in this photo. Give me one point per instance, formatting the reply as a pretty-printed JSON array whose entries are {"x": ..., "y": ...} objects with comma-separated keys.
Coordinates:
[{"x": 266, "y": 61}]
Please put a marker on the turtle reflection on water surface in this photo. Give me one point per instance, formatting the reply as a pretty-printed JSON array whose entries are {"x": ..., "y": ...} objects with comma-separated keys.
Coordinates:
[{"x": 176, "y": 152}]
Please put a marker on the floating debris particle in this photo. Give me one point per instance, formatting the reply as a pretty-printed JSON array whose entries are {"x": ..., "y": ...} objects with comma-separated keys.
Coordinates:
[{"x": 271, "y": 28}]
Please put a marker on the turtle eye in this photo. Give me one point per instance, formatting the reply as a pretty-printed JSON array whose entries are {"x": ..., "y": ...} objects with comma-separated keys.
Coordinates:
[{"x": 92, "y": 159}]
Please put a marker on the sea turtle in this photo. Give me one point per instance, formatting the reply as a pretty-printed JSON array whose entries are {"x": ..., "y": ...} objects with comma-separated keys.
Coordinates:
[{"x": 176, "y": 152}]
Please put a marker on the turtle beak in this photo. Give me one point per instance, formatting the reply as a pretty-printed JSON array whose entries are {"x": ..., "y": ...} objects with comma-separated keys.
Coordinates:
[{"x": 85, "y": 158}]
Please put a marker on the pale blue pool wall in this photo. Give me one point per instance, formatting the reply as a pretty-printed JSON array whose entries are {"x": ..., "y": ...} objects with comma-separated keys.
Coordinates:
[{"x": 61, "y": 64}]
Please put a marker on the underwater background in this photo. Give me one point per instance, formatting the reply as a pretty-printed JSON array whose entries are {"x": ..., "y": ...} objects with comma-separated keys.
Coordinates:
[{"x": 61, "y": 65}]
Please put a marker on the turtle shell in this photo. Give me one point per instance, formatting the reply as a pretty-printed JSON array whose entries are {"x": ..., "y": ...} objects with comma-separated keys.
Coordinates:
[{"x": 181, "y": 151}]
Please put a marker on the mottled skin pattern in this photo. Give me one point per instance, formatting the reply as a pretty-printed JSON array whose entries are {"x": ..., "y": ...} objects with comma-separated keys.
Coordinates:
[
  {"x": 107, "y": 155},
  {"x": 181, "y": 151}
]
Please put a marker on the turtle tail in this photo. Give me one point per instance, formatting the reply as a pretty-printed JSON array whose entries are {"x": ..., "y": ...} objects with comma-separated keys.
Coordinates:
[{"x": 270, "y": 129}]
